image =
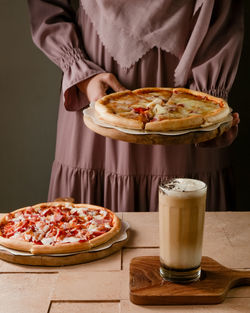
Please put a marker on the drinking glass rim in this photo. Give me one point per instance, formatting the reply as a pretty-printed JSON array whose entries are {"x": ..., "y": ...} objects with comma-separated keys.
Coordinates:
[{"x": 165, "y": 189}]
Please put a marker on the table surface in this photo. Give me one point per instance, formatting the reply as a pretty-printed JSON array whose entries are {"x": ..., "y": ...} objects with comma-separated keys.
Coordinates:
[{"x": 103, "y": 285}]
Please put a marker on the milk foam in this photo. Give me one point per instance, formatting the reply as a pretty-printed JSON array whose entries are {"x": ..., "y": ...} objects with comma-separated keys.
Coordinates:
[{"x": 183, "y": 187}]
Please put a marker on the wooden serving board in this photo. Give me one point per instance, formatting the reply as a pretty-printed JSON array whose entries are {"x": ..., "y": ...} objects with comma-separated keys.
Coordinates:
[
  {"x": 48, "y": 260},
  {"x": 147, "y": 286},
  {"x": 155, "y": 139}
]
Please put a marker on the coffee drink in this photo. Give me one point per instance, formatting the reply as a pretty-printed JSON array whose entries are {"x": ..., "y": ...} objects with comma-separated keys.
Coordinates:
[{"x": 182, "y": 204}]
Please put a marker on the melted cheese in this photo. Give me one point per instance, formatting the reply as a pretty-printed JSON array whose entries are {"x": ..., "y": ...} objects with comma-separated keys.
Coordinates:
[
  {"x": 159, "y": 109},
  {"x": 70, "y": 239},
  {"x": 196, "y": 106},
  {"x": 48, "y": 241}
]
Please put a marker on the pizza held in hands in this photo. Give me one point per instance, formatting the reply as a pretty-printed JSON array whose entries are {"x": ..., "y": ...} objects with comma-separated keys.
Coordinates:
[
  {"x": 58, "y": 227},
  {"x": 161, "y": 109}
]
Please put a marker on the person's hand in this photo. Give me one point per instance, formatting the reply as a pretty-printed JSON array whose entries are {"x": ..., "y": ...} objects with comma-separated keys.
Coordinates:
[
  {"x": 226, "y": 138},
  {"x": 96, "y": 86}
]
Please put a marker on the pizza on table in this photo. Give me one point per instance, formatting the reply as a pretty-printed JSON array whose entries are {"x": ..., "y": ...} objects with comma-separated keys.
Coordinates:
[{"x": 58, "y": 227}]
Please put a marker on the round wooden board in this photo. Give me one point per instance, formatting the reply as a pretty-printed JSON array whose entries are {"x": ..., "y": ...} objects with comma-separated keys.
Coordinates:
[
  {"x": 47, "y": 260},
  {"x": 189, "y": 138}
]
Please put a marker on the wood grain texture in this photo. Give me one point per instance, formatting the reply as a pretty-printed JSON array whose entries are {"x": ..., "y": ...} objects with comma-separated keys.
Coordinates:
[
  {"x": 148, "y": 288},
  {"x": 189, "y": 138}
]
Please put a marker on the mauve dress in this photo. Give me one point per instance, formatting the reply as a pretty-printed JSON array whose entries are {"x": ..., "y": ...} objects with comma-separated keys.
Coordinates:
[{"x": 116, "y": 174}]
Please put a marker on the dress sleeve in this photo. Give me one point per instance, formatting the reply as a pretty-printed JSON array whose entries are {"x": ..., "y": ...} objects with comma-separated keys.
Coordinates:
[
  {"x": 216, "y": 62},
  {"x": 55, "y": 32}
]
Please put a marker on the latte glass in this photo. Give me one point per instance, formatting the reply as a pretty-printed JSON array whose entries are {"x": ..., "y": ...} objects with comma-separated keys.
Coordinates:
[{"x": 182, "y": 204}]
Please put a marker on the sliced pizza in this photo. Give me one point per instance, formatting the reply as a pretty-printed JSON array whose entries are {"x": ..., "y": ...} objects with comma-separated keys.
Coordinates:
[{"x": 161, "y": 109}]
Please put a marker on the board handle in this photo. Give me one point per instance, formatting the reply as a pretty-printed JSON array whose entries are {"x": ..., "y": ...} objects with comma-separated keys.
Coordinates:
[{"x": 240, "y": 278}]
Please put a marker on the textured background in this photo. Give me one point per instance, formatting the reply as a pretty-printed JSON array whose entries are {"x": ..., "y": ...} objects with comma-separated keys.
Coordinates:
[{"x": 29, "y": 93}]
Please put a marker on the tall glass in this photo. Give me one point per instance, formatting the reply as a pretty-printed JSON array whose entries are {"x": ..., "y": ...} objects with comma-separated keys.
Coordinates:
[{"x": 182, "y": 204}]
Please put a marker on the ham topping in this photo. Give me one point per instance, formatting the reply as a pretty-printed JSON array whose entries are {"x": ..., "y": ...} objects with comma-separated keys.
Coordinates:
[{"x": 56, "y": 224}]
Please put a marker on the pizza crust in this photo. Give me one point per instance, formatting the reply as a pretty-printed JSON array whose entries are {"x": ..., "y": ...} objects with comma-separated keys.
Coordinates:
[
  {"x": 119, "y": 121},
  {"x": 16, "y": 244},
  {"x": 199, "y": 94},
  {"x": 214, "y": 117},
  {"x": 175, "y": 124},
  {"x": 59, "y": 248},
  {"x": 145, "y": 90},
  {"x": 105, "y": 113},
  {"x": 22, "y": 245}
]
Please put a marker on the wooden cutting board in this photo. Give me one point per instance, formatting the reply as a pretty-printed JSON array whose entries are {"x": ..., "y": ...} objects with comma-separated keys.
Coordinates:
[
  {"x": 155, "y": 139},
  {"x": 148, "y": 288}
]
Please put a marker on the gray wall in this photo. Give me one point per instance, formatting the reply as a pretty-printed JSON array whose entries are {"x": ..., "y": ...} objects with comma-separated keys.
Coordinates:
[
  {"x": 29, "y": 94},
  {"x": 29, "y": 91}
]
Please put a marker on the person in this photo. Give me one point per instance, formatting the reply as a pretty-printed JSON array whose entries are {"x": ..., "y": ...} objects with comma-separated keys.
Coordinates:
[{"x": 119, "y": 45}]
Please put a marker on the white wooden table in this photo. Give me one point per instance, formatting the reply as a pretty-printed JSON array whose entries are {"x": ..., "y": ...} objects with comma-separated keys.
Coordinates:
[{"x": 103, "y": 285}]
